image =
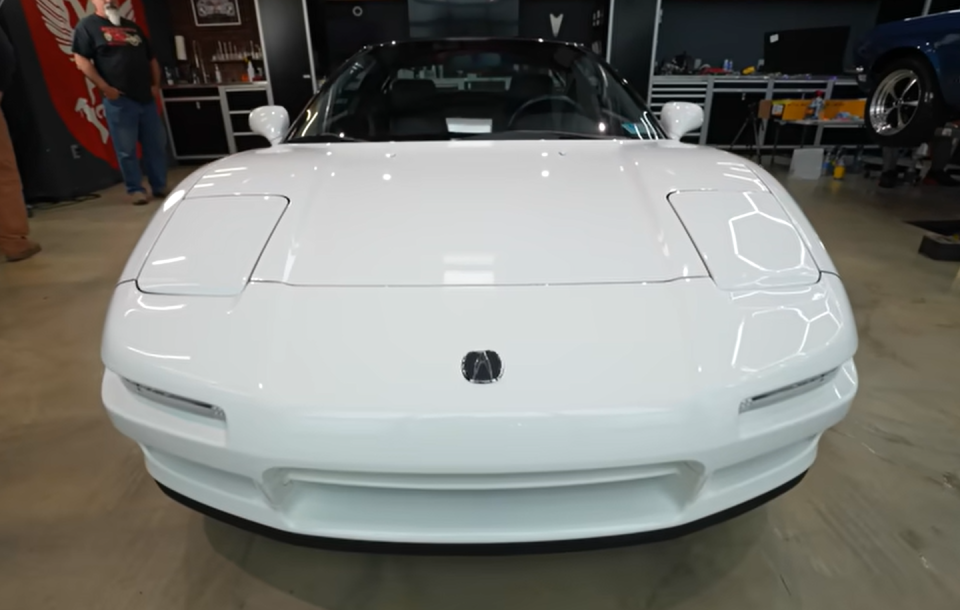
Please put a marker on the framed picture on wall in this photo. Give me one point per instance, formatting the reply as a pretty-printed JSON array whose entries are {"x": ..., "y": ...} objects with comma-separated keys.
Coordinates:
[{"x": 215, "y": 12}]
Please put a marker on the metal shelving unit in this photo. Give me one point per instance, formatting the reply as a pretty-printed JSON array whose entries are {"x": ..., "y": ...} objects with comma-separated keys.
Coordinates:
[{"x": 721, "y": 94}]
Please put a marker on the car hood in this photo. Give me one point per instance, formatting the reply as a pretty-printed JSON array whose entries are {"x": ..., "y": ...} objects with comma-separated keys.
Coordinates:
[{"x": 477, "y": 212}]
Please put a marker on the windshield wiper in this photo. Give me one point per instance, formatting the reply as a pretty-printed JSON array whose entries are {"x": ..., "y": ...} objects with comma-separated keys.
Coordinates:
[
  {"x": 323, "y": 137},
  {"x": 545, "y": 134}
]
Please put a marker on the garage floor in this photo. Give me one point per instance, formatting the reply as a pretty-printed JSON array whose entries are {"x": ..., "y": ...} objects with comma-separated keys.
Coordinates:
[{"x": 875, "y": 525}]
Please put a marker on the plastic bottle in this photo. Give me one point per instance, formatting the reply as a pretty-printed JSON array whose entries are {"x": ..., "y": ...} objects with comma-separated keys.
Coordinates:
[
  {"x": 839, "y": 169},
  {"x": 217, "y": 74},
  {"x": 251, "y": 71},
  {"x": 816, "y": 106}
]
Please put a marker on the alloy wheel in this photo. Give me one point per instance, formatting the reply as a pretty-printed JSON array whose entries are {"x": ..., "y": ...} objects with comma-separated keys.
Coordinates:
[{"x": 896, "y": 102}]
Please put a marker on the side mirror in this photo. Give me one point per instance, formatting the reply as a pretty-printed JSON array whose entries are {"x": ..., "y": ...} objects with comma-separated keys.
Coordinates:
[
  {"x": 680, "y": 118},
  {"x": 271, "y": 122}
]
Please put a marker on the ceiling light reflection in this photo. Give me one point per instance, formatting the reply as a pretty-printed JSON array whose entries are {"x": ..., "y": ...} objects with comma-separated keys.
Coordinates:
[
  {"x": 168, "y": 261},
  {"x": 173, "y": 199},
  {"x": 468, "y": 278},
  {"x": 160, "y": 356}
]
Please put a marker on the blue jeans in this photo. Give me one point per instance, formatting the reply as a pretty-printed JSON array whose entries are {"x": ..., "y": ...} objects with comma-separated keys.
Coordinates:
[{"x": 131, "y": 122}]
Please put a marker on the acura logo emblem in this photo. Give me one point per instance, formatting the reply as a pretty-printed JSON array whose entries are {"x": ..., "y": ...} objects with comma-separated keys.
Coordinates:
[{"x": 482, "y": 367}]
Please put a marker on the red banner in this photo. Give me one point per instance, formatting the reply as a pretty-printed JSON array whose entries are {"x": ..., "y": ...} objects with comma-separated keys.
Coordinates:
[{"x": 78, "y": 102}]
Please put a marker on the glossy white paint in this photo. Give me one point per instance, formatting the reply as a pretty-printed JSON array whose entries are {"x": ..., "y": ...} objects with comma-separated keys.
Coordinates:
[
  {"x": 809, "y": 235},
  {"x": 271, "y": 122},
  {"x": 626, "y": 357},
  {"x": 211, "y": 245},
  {"x": 388, "y": 215},
  {"x": 680, "y": 118},
  {"x": 746, "y": 239}
]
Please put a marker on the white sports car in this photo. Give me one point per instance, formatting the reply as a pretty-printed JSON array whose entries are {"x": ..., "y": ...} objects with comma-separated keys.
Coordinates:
[{"x": 478, "y": 293}]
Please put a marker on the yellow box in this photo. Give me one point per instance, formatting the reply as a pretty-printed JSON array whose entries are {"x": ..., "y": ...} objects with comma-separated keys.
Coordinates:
[
  {"x": 787, "y": 110},
  {"x": 856, "y": 108}
]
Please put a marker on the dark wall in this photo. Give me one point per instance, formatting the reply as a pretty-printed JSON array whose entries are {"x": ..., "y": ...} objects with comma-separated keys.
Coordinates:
[
  {"x": 895, "y": 10},
  {"x": 343, "y": 28},
  {"x": 287, "y": 50},
  {"x": 631, "y": 43},
  {"x": 317, "y": 20},
  {"x": 714, "y": 30},
  {"x": 430, "y": 19},
  {"x": 575, "y": 25},
  {"x": 339, "y": 28},
  {"x": 161, "y": 30},
  {"x": 940, "y": 6}
]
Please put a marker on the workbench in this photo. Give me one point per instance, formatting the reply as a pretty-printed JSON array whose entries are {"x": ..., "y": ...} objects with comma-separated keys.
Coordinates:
[{"x": 727, "y": 101}]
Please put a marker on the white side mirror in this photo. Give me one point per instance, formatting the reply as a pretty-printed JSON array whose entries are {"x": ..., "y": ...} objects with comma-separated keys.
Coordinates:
[
  {"x": 680, "y": 118},
  {"x": 271, "y": 122}
]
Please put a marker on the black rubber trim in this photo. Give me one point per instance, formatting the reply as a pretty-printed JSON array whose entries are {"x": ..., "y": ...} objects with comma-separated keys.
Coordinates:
[{"x": 511, "y": 548}]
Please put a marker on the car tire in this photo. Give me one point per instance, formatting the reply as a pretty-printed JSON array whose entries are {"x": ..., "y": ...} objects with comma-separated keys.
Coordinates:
[{"x": 920, "y": 110}]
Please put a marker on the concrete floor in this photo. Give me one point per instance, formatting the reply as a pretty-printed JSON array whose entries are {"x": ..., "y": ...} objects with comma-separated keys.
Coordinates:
[{"x": 875, "y": 525}]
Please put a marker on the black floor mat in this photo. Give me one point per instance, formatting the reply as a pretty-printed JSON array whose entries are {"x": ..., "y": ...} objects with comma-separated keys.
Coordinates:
[{"x": 943, "y": 227}]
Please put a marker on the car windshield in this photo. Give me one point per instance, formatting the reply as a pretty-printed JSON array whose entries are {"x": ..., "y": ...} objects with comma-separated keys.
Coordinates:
[{"x": 458, "y": 89}]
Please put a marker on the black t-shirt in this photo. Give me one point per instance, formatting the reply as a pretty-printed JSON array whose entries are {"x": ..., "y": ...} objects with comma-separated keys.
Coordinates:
[{"x": 121, "y": 54}]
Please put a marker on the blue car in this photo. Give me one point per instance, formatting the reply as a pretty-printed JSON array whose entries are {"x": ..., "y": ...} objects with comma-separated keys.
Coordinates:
[{"x": 911, "y": 71}]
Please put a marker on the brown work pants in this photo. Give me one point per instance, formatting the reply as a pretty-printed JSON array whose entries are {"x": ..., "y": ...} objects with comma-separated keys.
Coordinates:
[{"x": 13, "y": 212}]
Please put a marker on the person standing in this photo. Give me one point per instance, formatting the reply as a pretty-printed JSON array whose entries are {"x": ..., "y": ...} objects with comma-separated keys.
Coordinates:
[
  {"x": 14, "y": 228},
  {"x": 116, "y": 56}
]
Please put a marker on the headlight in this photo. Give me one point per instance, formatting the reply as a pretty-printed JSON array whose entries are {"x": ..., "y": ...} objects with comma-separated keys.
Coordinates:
[
  {"x": 211, "y": 245},
  {"x": 746, "y": 240}
]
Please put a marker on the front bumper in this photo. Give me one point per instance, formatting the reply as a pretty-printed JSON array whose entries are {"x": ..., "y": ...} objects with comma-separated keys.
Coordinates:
[
  {"x": 586, "y": 544},
  {"x": 586, "y": 484}
]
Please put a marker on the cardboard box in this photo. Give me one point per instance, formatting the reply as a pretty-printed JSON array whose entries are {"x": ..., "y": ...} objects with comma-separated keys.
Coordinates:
[
  {"x": 855, "y": 108},
  {"x": 787, "y": 110}
]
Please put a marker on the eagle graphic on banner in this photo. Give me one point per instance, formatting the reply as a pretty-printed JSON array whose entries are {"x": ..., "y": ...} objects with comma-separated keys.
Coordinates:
[{"x": 77, "y": 100}]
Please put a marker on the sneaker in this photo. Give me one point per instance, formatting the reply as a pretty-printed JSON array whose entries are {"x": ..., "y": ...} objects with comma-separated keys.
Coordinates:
[
  {"x": 161, "y": 194},
  {"x": 139, "y": 198},
  {"x": 30, "y": 252},
  {"x": 940, "y": 178},
  {"x": 888, "y": 179}
]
